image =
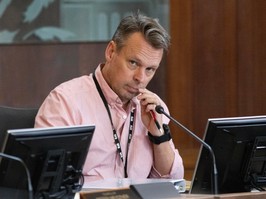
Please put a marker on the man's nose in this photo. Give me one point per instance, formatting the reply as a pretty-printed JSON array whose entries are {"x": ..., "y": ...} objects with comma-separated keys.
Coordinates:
[{"x": 139, "y": 74}]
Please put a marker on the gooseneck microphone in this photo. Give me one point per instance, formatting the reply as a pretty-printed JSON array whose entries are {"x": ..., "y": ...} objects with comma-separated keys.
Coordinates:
[
  {"x": 159, "y": 109},
  {"x": 30, "y": 189}
]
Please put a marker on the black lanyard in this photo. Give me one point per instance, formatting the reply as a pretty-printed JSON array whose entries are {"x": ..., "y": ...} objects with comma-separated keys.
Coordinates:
[{"x": 115, "y": 136}]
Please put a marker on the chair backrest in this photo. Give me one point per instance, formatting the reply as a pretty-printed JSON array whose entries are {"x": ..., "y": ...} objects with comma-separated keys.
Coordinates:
[{"x": 15, "y": 118}]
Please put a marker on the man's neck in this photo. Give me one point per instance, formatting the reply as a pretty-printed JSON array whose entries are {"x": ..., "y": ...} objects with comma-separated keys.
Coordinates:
[{"x": 126, "y": 106}]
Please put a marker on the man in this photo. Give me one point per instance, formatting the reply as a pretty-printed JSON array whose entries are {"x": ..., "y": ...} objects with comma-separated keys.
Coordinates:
[{"x": 130, "y": 139}]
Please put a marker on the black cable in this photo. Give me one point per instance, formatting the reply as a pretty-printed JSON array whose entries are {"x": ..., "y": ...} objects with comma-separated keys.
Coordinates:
[
  {"x": 30, "y": 190},
  {"x": 253, "y": 182},
  {"x": 68, "y": 186}
]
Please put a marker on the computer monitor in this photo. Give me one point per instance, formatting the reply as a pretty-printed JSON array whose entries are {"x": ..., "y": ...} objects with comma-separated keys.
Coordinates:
[
  {"x": 54, "y": 156},
  {"x": 239, "y": 146}
]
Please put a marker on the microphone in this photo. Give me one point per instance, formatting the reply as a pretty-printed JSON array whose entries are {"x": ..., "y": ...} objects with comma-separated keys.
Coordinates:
[
  {"x": 159, "y": 109},
  {"x": 30, "y": 189}
]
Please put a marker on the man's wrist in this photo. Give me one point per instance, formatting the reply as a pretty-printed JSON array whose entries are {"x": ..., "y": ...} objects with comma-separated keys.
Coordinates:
[{"x": 163, "y": 138}]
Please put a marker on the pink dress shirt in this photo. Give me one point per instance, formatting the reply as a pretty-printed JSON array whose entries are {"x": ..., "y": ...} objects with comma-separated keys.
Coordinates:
[{"x": 78, "y": 102}]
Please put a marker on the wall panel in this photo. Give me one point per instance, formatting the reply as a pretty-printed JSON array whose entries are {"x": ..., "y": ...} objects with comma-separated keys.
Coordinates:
[
  {"x": 29, "y": 71},
  {"x": 216, "y": 65}
]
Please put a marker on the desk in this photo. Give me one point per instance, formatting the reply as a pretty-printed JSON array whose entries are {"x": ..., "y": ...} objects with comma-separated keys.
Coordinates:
[
  {"x": 249, "y": 195},
  {"x": 120, "y": 193},
  {"x": 110, "y": 188},
  {"x": 133, "y": 188},
  {"x": 252, "y": 195}
]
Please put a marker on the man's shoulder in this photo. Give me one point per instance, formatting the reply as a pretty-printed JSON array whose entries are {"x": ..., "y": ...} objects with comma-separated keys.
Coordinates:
[
  {"x": 78, "y": 80},
  {"x": 78, "y": 84}
]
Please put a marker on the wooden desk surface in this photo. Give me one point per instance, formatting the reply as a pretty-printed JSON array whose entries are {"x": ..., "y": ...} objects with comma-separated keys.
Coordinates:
[{"x": 247, "y": 195}]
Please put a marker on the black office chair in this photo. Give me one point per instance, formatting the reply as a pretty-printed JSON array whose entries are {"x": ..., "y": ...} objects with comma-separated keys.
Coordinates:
[{"x": 15, "y": 118}]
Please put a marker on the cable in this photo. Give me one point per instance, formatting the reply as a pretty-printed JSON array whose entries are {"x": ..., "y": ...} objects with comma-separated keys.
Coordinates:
[{"x": 68, "y": 186}]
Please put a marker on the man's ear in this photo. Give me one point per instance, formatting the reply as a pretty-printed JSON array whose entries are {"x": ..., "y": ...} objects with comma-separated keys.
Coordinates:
[{"x": 109, "y": 51}]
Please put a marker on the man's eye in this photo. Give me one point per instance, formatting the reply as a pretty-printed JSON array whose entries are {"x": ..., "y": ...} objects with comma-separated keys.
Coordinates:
[
  {"x": 133, "y": 64},
  {"x": 150, "y": 71}
]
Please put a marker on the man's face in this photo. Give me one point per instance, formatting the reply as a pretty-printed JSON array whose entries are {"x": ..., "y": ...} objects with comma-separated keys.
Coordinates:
[{"x": 132, "y": 67}]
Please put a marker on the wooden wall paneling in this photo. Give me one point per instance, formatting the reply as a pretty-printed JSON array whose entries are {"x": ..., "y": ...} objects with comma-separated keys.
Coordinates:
[
  {"x": 29, "y": 72},
  {"x": 178, "y": 71},
  {"x": 214, "y": 61},
  {"x": 203, "y": 67},
  {"x": 252, "y": 57},
  {"x": 216, "y": 67},
  {"x": 230, "y": 58},
  {"x": 179, "y": 79}
]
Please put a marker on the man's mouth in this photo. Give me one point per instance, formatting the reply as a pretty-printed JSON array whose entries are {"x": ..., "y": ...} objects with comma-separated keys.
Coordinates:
[{"x": 132, "y": 90}]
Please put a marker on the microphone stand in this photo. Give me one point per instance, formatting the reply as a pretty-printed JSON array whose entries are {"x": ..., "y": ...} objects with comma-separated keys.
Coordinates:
[
  {"x": 30, "y": 190},
  {"x": 159, "y": 109}
]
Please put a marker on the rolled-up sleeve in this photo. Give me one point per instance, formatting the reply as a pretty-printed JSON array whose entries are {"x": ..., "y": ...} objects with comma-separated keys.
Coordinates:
[{"x": 177, "y": 170}]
